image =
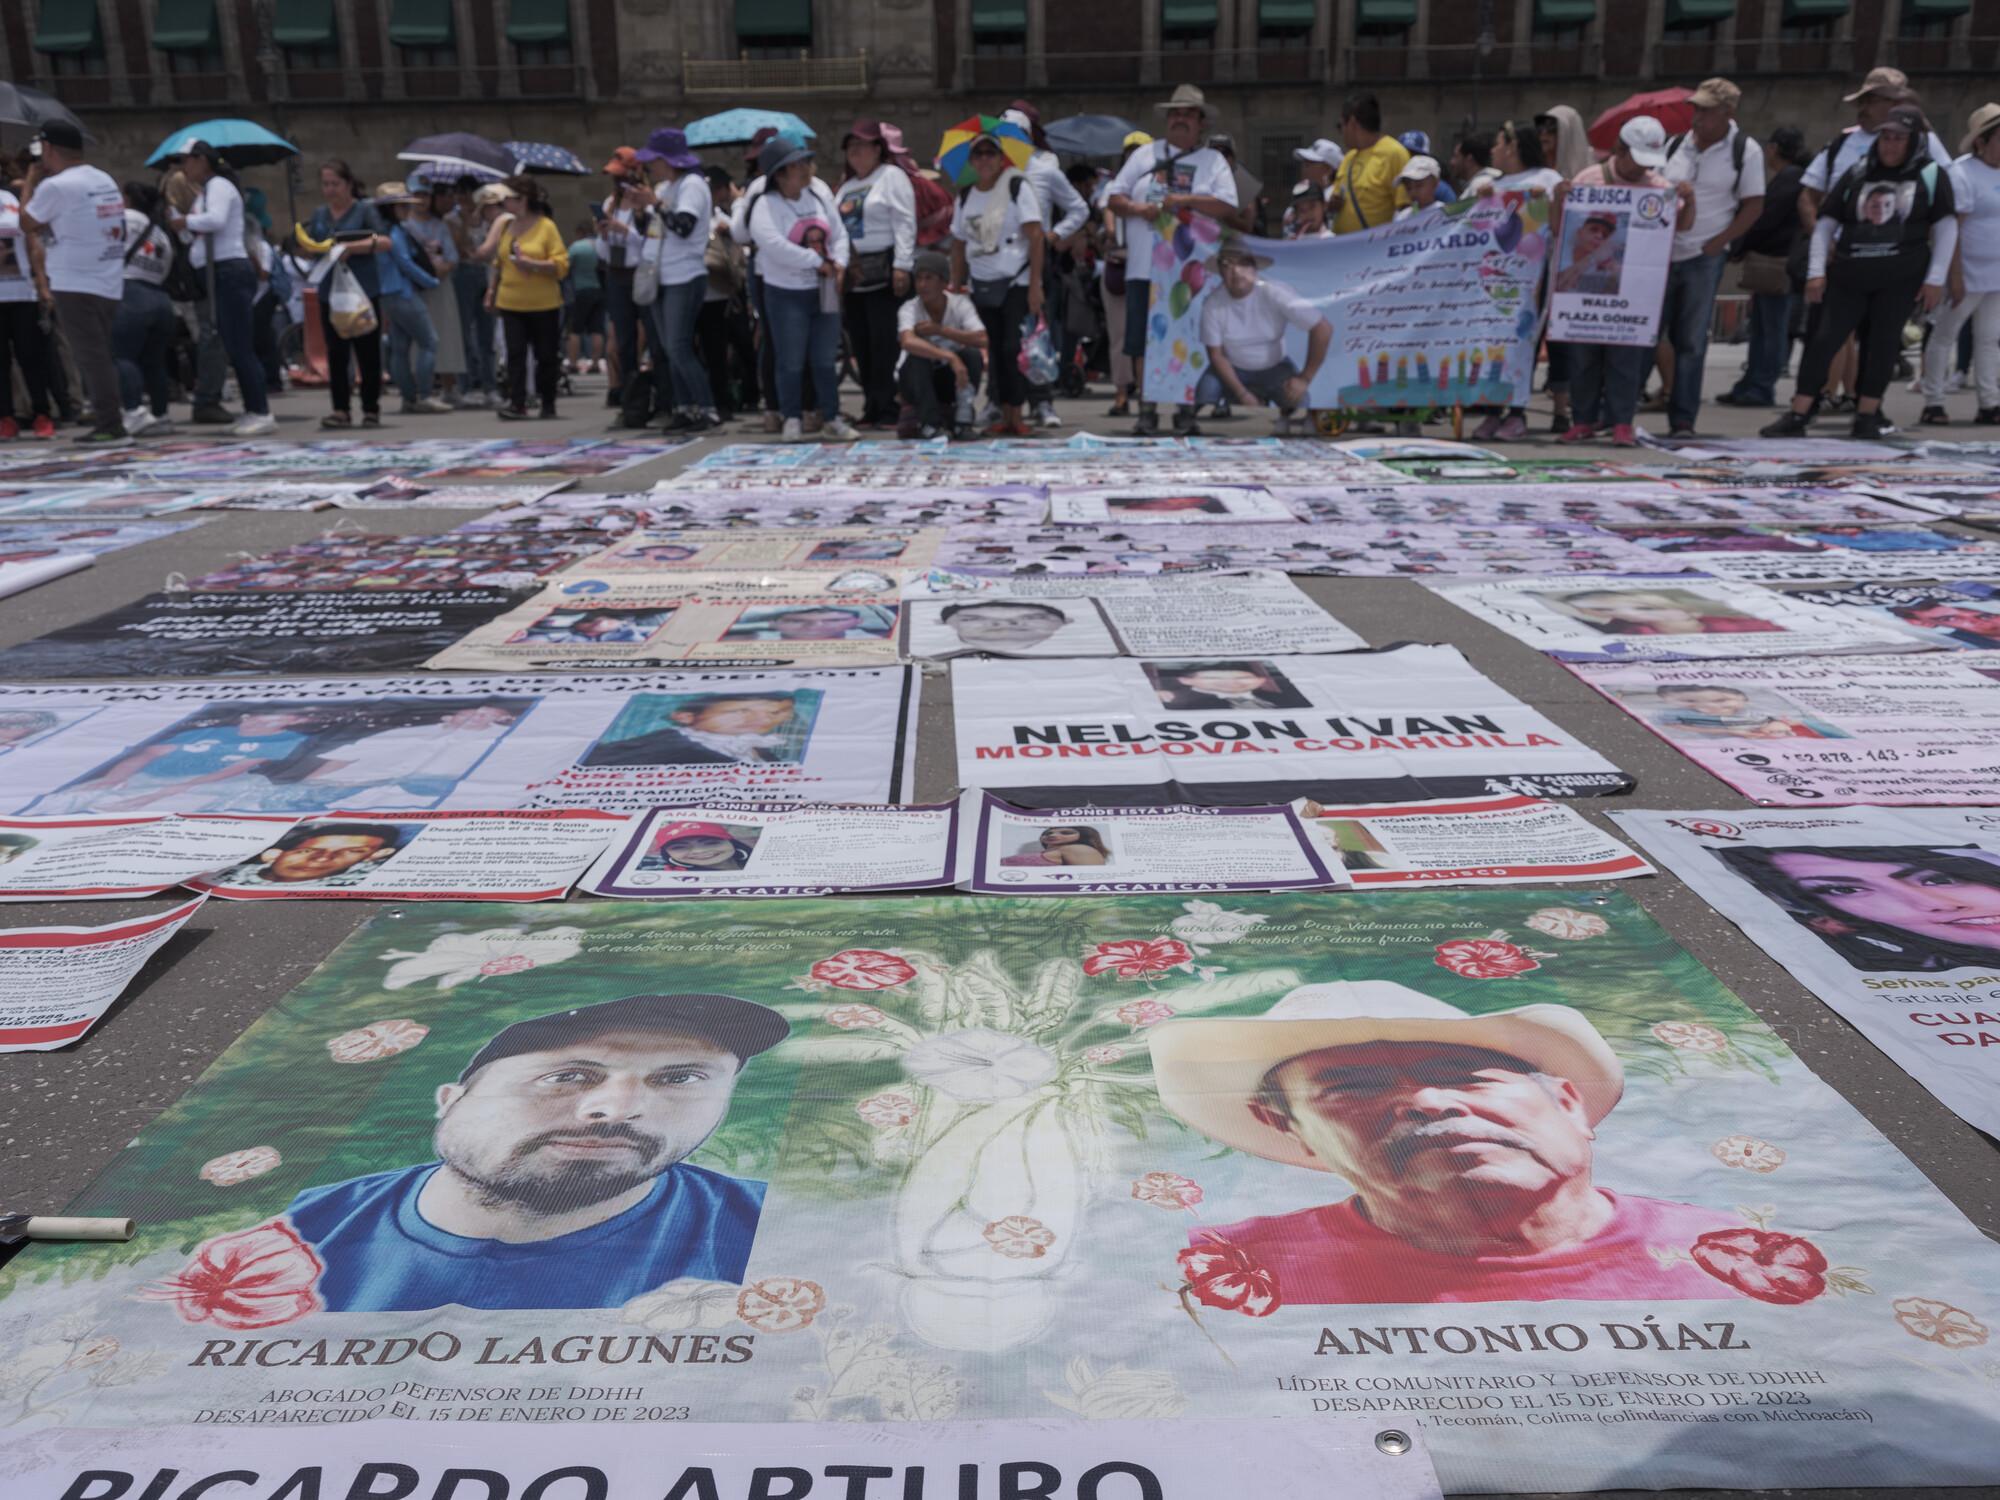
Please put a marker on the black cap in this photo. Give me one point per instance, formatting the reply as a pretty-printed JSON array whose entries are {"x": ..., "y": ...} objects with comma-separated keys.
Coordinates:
[
  {"x": 1908, "y": 119},
  {"x": 742, "y": 1026},
  {"x": 61, "y": 134}
]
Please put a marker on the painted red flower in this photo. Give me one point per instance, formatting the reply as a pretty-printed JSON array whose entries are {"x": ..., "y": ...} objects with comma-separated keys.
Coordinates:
[
  {"x": 1764, "y": 1264},
  {"x": 1218, "y": 1274},
  {"x": 1135, "y": 958},
  {"x": 252, "y": 1278},
  {"x": 1484, "y": 958},
  {"x": 1937, "y": 1322},
  {"x": 1019, "y": 1237},
  {"x": 1168, "y": 1190},
  {"x": 513, "y": 963},
  {"x": 376, "y": 1040},
  {"x": 887, "y": 1111},
  {"x": 863, "y": 969},
  {"x": 233, "y": 1167},
  {"x": 1103, "y": 1054},
  {"x": 780, "y": 1304},
  {"x": 1143, "y": 1012},
  {"x": 1690, "y": 1036},
  {"x": 856, "y": 1017}
]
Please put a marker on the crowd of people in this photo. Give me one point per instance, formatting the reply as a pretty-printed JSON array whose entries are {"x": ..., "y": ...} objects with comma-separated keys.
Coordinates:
[{"x": 965, "y": 307}]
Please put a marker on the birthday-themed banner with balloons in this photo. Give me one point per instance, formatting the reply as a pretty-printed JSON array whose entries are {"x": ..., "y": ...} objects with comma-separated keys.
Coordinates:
[{"x": 1430, "y": 312}]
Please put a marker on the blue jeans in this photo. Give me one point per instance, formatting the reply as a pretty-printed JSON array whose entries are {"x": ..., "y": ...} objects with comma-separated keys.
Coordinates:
[
  {"x": 1604, "y": 381},
  {"x": 675, "y": 313},
  {"x": 1138, "y": 308},
  {"x": 236, "y": 323},
  {"x": 1770, "y": 338},
  {"x": 621, "y": 317},
  {"x": 1267, "y": 385},
  {"x": 141, "y": 335},
  {"x": 802, "y": 337},
  {"x": 413, "y": 344},
  {"x": 468, "y": 284},
  {"x": 1687, "y": 316}
]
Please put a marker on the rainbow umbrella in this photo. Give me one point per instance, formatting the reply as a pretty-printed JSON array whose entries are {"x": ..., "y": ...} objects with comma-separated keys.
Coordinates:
[{"x": 954, "y": 157}]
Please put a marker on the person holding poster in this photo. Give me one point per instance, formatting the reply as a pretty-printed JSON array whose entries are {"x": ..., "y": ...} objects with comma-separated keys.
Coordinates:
[
  {"x": 1243, "y": 326},
  {"x": 1604, "y": 378},
  {"x": 1467, "y": 1139},
  {"x": 561, "y": 1177}
]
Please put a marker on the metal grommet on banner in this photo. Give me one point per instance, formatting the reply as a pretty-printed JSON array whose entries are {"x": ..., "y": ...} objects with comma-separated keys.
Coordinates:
[{"x": 1393, "y": 1442}]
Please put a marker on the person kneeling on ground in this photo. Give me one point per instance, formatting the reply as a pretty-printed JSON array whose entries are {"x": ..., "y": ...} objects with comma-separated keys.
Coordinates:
[
  {"x": 1243, "y": 326},
  {"x": 941, "y": 338}
]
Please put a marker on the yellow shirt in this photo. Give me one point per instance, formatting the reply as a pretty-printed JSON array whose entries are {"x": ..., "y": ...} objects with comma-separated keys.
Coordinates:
[
  {"x": 1366, "y": 178},
  {"x": 525, "y": 291}
]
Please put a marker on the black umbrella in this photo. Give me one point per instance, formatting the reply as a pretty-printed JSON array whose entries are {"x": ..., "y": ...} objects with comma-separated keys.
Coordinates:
[
  {"x": 1088, "y": 135},
  {"x": 460, "y": 147},
  {"x": 24, "y": 111}
]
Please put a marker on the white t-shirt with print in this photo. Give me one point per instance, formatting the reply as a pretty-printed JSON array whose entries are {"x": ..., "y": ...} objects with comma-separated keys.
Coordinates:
[
  {"x": 959, "y": 314},
  {"x": 17, "y": 277},
  {"x": 879, "y": 212},
  {"x": 681, "y": 259},
  {"x": 1152, "y": 172},
  {"x": 1976, "y": 186},
  {"x": 155, "y": 255},
  {"x": 990, "y": 224},
  {"x": 1251, "y": 330},
  {"x": 85, "y": 215}
]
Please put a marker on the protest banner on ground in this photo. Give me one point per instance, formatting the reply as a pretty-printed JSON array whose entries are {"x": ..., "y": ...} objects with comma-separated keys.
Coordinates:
[
  {"x": 1138, "y": 505},
  {"x": 1815, "y": 731},
  {"x": 1663, "y": 617},
  {"x": 1838, "y": 564},
  {"x": 1619, "y": 503},
  {"x": 948, "y": 615},
  {"x": 612, "y": 743},
  {"x": 1889, "y": 915},
  {"x": 84, "y": 858},
  {"x": 963, "y": 1158},
  {"x": 1129, "y": 850},
  {"x": 807, "y": 551},
  {"x": 277, "y": 496},
  {"x": 1433, "y": 311},
  {"x": 1475, "y": 841},
  {"x": 418, "y": 856},
  {"x": 742, "y": 848},
  {"x": 1704, "y": 540},
  {"x": 1398, "y": 725},
  {"x": 18, "y": 574},
  {"x": 243, "y": 634},
  {"x": 451, "y": 560},
  {"x": 1608, "y": 280},
  {"x": 57, "y": 982},
  {"x": 396, "y": 492},
  {"x": 19, "y": 538},
  {"x": 104, "y": 501},
  {"x": 624, "y": 621},
  {"x": 1962, "y": 616}
]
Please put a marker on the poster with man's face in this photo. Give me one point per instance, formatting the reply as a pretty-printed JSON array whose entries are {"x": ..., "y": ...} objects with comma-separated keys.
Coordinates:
[{"x": 1261, "y": 1156}]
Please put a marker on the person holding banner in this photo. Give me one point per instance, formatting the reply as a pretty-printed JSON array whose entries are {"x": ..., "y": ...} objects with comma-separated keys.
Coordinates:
[
  {"x": 1604, "y": 379},
  {"x": 1243, "y": 328}
]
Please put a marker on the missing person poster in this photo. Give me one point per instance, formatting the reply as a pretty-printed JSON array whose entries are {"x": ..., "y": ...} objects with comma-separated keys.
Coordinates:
[
  {"x": 1471, "y": 841},
  {"x": 1889, "y": 915},
  {"x": 949, "y": 614},
  {"x": 1806, "y": 731},
  {"x": 743, "y": 848},
  {"x": 643, "y": 620},
  {"x": 1139, "y": 505},
  {"x": 832, "y": 551},
  {"x": 1515, "y": 1173},
  {"x": 451, "y": 560},
  {"x": 418, "y": 856},
  {"x": 1975, "y": 560},
  {"x": 1403, "y": 724},
  {"x": 82, "y": 859},
  {"x": 19, "y": 574},
  {"x": 258, "y": 635},
  {"x": 1125, "y": 850},
  {"x": 395, "y": 492},
  {"x": 609, "y": 743},
  {"x": 1960, "y": 616},
  {"x": 57, "y": 982},
  {"x": 1665, "y": 617},
  {"x": 1609, "y": 277}
]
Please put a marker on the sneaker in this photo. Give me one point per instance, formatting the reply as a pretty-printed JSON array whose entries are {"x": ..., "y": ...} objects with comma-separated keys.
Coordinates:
[
  {"x": 813, "y": 421},
  {"x": 163, "y": 427},
  {"x": 1008, "y": 430},
  {"x": 1654, "y": 403},
  {"x": 1560, "y": 422},
  {"x": 1935, "y": 416},
  {"x": 1184, "y": 422},
  {"x": 547, "y": 413},
  {"x": 1045, "y": 414},
  {"x": 1680, "y": 431},
  {"x": 513, "y": 413},
  {"x": 907, "y": 424},
  {"x": 793, "y": 430},
  {"x": 1622, "y": 436},
  {"x": 1513, "y": 427},
  {"x": 838, "y": 430},
  {"x": 43, "y": 428},
  {"x": 773, "y": 423},
  {"x": 1791, "y": 425},
  {"x": 253, "y": 424},
  {"x": 1957, "y": 381},
  {"x": 137, "y": 420},
  {"x": 1868, "y": 426},
  {"x": 1987, "y": 416},
  {"x": 1488, "y": 430},
  {"x": 9, "y": 429},
  {"x": 989, "y": 414},
  {"x": 1840, "y": 406},
  {"x": 431, "y": 406},
  {"x": 1148, "y": 424},
  {"x": 213, "y": 414},
  {"x": 371, "y": 419},
  {"x": 100, "y": 437},
  {"x": 1579, "y": 432}
]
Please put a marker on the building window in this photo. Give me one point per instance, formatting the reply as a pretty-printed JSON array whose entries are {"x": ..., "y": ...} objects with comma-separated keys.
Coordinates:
[
  {"x": 773, "y": 28},
  {"x": 1562, "y": 23},
  {"x": 305, "y": 34},
  {"x": 1697, "y": 20},
  {"x": 1384, "y": 23},
  {"x": 1929, "y": 20},
  {"x": 539, "y": 30},
  {"x": 324, "y": 59},
  {"x": 186, "y": 60},
  {"x": 89, "y": 64},
  {"x": 68, "y": 36},
  {"x": 1187, "y": 25},
  {"x": 543, "y": 54},
  {"x": 1284, "y": 23},
  {"x": 422, "y": 30},
  {"x": 999, "y": 28}
]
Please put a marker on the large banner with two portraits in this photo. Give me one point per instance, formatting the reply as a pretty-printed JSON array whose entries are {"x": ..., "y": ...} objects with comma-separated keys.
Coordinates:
[{"x": 1505, "y": 1166}]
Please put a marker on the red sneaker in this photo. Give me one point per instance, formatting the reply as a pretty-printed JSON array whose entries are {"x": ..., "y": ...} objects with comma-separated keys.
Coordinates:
[
  {"x": 9, "y": 429},
  {"x": 1580, "y": 432},
  {"x": 1622, "y": 436},
  {"x": 44, "y": 428}
]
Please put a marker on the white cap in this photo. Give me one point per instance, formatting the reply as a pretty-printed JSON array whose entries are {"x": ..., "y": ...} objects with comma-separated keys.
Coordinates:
[
  {"x": 1015, "y": 117},
  {"x": 1646, "y": 138},
  {"x": 1321, "y": 150},
  {"x": 1418, "y": 168}
]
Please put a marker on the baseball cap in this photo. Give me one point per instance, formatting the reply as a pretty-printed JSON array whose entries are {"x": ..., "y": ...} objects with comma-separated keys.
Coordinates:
[
  {"x": 186, "y": 146},
  {"x": 1321, "y": 150},
  {"x": 742, "y": 1026},
  {"x": 689, "y": 831},
  {"x": 1714, "y": 92},
  {"x": 1908, "y": 119},
  {"x": 1418, "y": 168},
  {"x": 1416, "y": 142},
  {"x": 931, "y": 263},
  {"x": 1136, "y": 138},
  {"x": 624, "y": 163},
  {"x": 1879, "y": 81},
  {"x": 62, "y": 135},
  {"x": 1646, "y": 138}
]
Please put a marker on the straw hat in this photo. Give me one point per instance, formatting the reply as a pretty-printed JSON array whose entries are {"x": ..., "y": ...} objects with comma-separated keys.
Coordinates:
[
  {"x": 1891, "y": 81},
  {"x": 1209, "y": 1071},
  {"x": 387, "y": 193},
  {"x": 1983, "y": 119},
  {"x": 1187, "y": 96}
]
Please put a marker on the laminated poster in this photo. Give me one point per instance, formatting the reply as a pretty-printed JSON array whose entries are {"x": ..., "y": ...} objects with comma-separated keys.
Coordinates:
[
  {"x": 396, "y": 492},
  {"x": 1808, "y": 731},
  {"x": 1609, "y": 277},
  {"x": 24, "y": 541},
  {"x": 1475, "y": 841},
  {"x": 822, "y": 551},
  {"x": 638, "y": 620},
  {"x": 1977, "y": 560},
  {"x": 1962, "y": 616},
  {"x": 1617, "y": 503},
  {"x": 83, "y": 858},
  {"x": 973, "y": 1158},
  {"x": 612, "y": 743},
  {"x": 1164, "y": 504},
  {"x": 57, "y": 982},
  {"x": 18, "y": 574},
  {"x": 348, "y": 560},
  {"x": 1405, "y": 724},
  {"x": 1665, "y": 617}
]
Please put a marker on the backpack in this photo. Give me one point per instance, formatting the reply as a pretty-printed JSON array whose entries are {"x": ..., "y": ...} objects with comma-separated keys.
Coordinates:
[
  {"x": 1013, "y": 188},
  {"x": 1737, "y": 150},
  {"x": 183, "y": 282}
]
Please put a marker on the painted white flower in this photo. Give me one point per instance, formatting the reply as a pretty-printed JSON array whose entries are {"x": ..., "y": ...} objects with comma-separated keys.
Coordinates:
[
  {"x": 979, "y": 1065},
  {"x": 1119, "y": 1392},
  {"x": 1206, "y": 922},
  {"x": 682, "y": 1305},
  {"x": 455, "y": 957}
]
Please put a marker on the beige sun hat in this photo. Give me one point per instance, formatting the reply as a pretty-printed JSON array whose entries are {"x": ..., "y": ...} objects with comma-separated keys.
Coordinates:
[
  {"x": 393, "y": 192},
  {"x": 1892, "y": 81},
  {"x": 1209, "y": 1071},
  {"x": 1983, "y": 119},
  {"x": 1186, "y": 96}
]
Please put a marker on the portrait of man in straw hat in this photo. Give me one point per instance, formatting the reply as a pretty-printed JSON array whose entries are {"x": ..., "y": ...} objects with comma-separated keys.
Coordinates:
[{"x": 1467, "y": 1140}]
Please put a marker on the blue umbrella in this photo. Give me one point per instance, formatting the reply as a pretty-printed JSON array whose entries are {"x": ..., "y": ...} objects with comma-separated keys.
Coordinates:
[
  {"x": 540, "y": 156},
  {"x": 446, "y": 174},
  {"x": 736, "y": 126},
  {"x": 241, "y": 143},
  {"x": 1089, "y": 135}
]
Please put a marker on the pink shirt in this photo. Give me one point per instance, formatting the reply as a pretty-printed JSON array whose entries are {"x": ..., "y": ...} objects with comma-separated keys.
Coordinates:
[
  {"x": 1594, "y": 175},
  {"x": 1335, "y": 1255}
]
